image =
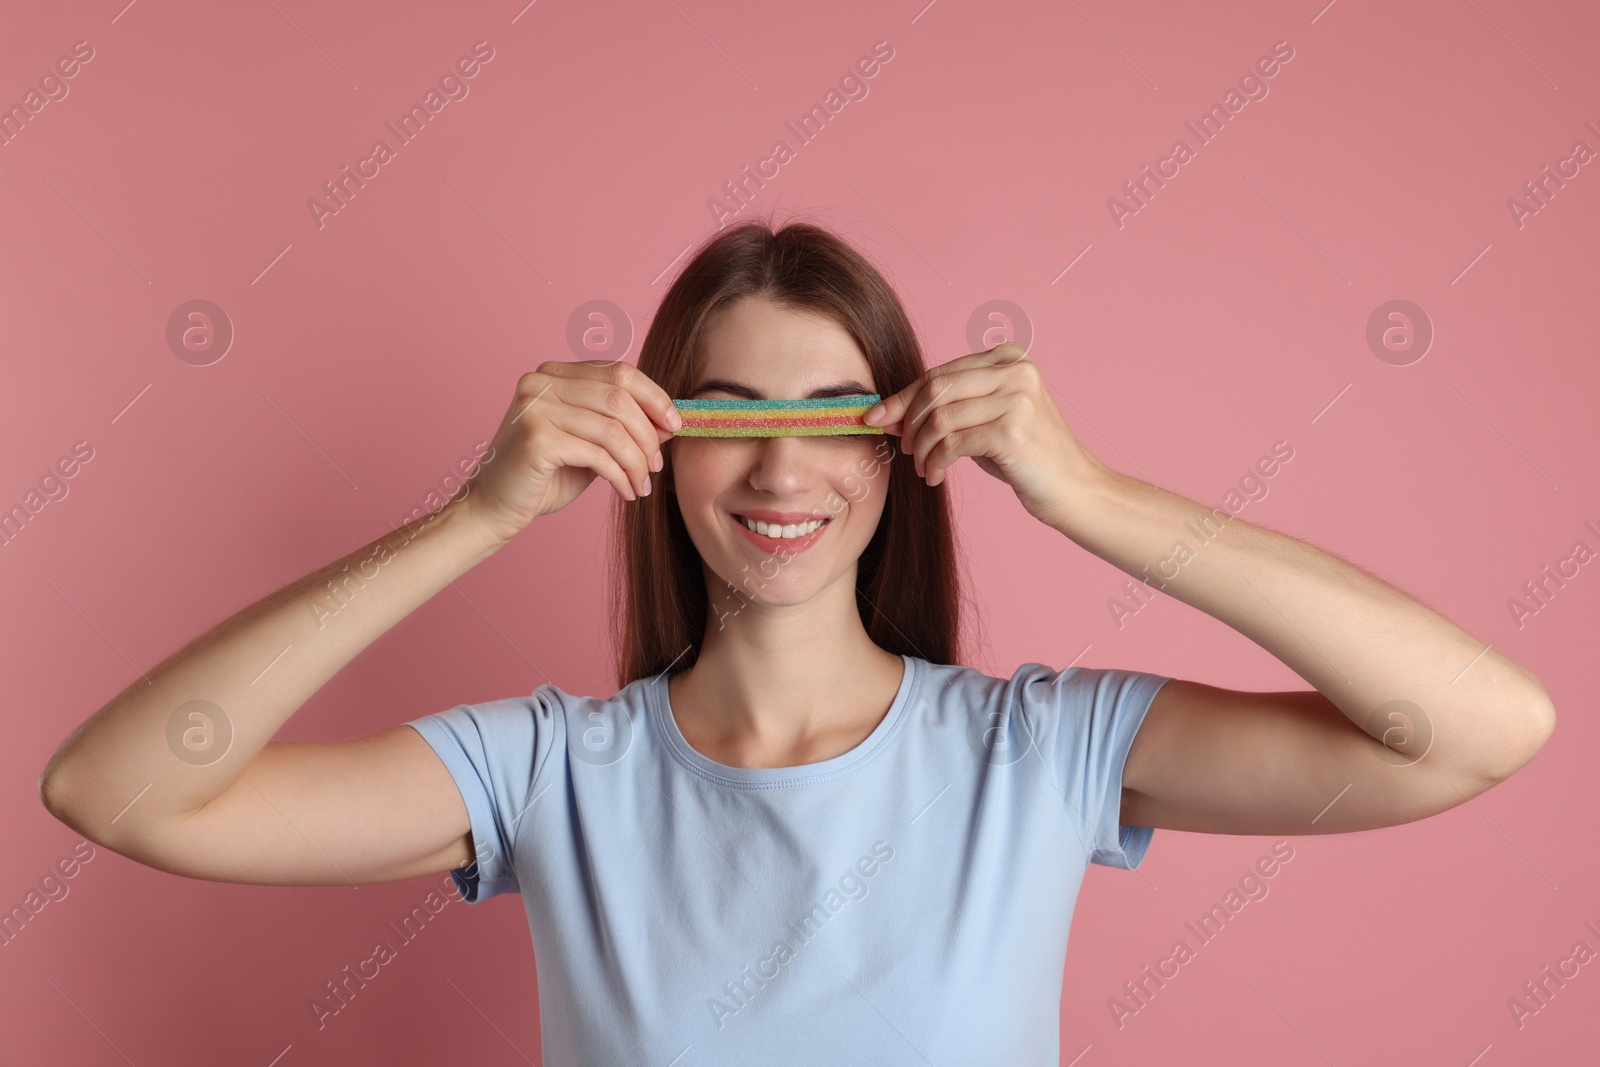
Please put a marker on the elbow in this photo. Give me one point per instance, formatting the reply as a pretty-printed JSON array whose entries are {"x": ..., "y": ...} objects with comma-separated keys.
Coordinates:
[
  {"x": 66, "y": 782},
  {"x": 1524, "y": 735},
  {"x": 56, "y": 795},
  {"x": 67, "y": 807},
  {"x": 54, "y": 790},
  {"x": 63, "y": 801},
  {"x": 1544, "y": 722},
  {"x": 1539, "y": 723}
]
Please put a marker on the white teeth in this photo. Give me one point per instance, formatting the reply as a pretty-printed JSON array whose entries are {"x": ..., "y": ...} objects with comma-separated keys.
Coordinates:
[{"x": 781, "y": 532}]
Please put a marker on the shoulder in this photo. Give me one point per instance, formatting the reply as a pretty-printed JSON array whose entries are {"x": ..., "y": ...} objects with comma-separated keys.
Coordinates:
[
  {"x": 1028, "y": 683},
  {"x": 551, "y": 702},
  {"x": 955, "y": 684},
  {"x": 1054, "y": 706},
  {"x": 512, "y": 723},
  {"x": 951, "y": 685}
]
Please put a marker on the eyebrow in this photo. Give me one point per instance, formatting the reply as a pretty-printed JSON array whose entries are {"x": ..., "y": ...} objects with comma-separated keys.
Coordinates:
[{"x": 842, "y": 388}]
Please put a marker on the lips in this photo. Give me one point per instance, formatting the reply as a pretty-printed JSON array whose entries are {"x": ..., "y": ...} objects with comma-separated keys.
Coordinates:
[{"x": 779, "y": 545}]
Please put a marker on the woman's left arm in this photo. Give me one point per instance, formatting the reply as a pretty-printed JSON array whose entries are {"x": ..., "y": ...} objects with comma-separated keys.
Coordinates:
[{"x": 1411, "y": 715}]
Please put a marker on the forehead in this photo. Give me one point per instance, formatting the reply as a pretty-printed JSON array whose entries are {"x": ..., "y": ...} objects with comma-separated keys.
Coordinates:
[{"x": 778, "y": 350}]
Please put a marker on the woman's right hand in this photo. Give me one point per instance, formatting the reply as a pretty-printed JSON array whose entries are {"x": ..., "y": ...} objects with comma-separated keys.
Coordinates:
[{"x": 568, "y": 422}]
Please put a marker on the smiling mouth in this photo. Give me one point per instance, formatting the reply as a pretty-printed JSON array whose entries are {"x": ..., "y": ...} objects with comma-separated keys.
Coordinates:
[{"x": 785, "y": 532}]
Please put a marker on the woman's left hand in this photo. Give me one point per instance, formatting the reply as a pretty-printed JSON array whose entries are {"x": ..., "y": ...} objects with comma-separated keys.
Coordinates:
[{"x": 994, "y": 406}]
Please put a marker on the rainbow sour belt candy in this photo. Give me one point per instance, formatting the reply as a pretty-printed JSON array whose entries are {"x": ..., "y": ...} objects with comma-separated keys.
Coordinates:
[{"x": 825, "y": 417}]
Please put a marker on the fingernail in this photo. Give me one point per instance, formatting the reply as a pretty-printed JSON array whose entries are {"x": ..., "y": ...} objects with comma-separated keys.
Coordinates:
[
  {"x": 656, "y": 462},
  {"x": 873, "y": 414}
]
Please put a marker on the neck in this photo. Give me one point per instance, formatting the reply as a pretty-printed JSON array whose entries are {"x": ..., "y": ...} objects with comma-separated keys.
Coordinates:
[{"x": 772, "y": 682}]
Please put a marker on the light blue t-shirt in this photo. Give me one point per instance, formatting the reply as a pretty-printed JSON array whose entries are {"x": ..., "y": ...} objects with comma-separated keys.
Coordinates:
[{"x": 906, "y": 902}]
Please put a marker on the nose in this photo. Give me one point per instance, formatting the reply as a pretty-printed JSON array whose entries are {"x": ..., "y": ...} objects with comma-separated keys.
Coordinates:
[{"x": 780, "y": 465}]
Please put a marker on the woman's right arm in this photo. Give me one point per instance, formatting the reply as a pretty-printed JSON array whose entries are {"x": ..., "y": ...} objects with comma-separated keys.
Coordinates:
[{"x": 143, "y": 776}]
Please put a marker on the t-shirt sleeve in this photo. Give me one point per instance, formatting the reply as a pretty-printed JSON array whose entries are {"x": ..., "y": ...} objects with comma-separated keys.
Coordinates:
[
  {"x": 497, "y": 753},
  {"x": 1084, "y": 721}
]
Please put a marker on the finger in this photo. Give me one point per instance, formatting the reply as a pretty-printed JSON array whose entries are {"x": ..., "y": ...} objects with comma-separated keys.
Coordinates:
[
  {"x": 946, "y": 389},
  {"x": 665, "y": 418},
  {"x": 609, "y": 434},
  {"x": 614, "y": 401},
  {"x": 654, "y": 400},
  {"x": 1005, "y": 354},
  {"x": 885, "y": 414},
  {"x": 571, "y": 450},
  {"x": 651, "y": 398},
  {"x": 651, "y": 417},
  {"x": 894, "y": 407},
  {"x": 897, "y": 404},
  {"x": 951, "y": 447},
  {"x": 947, "y": 435}
]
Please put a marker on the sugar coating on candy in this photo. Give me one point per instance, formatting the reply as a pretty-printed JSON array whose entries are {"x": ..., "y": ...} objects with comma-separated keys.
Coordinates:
[
  {"x": 688, "y": 430},
  {"x": 823, "y": 416}
]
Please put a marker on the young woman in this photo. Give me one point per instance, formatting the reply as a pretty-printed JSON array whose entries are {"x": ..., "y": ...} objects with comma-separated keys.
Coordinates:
[{"x": 801, "y": 831}]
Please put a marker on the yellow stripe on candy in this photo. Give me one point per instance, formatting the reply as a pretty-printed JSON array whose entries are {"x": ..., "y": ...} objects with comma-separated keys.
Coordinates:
[{"x": 823, "y": 417}]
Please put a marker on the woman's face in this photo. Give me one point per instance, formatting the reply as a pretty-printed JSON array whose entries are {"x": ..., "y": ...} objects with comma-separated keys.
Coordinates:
[{"x": 758, "y": 350}]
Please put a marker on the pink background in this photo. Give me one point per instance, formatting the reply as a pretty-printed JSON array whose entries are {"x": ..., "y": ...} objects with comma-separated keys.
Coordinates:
[{"x": 370, "y": 354}]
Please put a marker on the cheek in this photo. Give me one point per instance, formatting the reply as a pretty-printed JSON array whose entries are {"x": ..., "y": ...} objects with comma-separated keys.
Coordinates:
[
  {"x": 697, "y": 470},
  {"x": 856, "y": 490},
  {"x": 861, "y": 484}
]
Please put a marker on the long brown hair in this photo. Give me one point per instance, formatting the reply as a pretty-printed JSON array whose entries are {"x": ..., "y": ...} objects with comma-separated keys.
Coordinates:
[{"x": 907, "y": 588}]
